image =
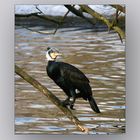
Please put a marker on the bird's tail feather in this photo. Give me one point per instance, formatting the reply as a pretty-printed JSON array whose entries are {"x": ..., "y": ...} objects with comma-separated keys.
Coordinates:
[{"x": 93, "y": 105}]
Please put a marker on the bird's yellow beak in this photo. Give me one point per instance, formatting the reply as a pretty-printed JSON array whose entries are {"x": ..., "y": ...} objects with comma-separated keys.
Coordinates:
[
  {"x": 55, "y": 54},
  {"x": 58, "y": 54}
]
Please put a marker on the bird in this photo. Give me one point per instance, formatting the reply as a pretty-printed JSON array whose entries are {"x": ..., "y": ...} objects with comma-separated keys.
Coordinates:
[{"x": 70, "y": 79}]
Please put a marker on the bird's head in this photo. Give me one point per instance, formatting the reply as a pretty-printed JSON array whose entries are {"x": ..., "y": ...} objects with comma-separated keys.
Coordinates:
[{"x": 52, "y": 53}]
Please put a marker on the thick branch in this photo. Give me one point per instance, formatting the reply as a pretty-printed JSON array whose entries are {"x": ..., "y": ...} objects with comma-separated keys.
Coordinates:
[
  {"x": 52, "y": 97},
  {"x": 103, "y": 19},
  {"x": 119, "y": 7},
  {"x": 79, "y": 13}
]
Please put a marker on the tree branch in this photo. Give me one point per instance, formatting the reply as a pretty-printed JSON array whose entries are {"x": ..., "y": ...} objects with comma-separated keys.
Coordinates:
[
  {"x": 119, "y": 7},
  {"x": 79, "y": 13},
  {"x": 40, "y": 16},
  {"x": 103, "y": 19},
  {"x": 51, "y": 96},
  {"x": 40, "y": 32},
  {"x": 62, "y": 21},
  {"x": 36, "y": 6}
]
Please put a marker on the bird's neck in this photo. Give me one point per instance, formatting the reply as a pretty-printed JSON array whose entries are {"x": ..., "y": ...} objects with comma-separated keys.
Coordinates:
[{"x": 51, "y": 61}]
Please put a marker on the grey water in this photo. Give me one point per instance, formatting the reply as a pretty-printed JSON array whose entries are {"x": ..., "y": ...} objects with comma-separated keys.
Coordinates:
[{"x": 100, "y": 55}]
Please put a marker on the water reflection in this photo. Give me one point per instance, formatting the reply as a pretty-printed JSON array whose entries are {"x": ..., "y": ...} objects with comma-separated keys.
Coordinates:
[{"x": 100, "y": 55}]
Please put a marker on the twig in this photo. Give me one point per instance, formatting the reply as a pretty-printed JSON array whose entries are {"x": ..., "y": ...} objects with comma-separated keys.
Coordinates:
[
  {"x": 37, "y": 31},
  {"x": 51, "y": 96},
  {"x": 39, "y": 9},
  {"x": 58, "y": 25},
  {"x": 62, "y": 21}
]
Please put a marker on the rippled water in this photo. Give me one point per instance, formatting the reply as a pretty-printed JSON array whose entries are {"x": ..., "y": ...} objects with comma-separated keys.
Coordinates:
[{"x": 100, "y": 55}]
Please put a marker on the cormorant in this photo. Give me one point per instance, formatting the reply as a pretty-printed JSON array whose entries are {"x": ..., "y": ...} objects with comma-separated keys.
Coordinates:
[{"x": 70, "y": 79}]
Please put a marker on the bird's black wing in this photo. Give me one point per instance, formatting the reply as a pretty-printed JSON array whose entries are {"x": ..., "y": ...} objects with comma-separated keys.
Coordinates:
[{"x": 72, "y": 74}]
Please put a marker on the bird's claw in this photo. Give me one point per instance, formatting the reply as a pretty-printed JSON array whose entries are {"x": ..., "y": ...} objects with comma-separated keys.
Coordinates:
[
  {"x": 71, "y": 106},
  {"x": 65, "y": 103}
]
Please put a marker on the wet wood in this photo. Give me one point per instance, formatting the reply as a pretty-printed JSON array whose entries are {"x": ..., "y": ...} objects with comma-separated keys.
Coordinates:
[{"x": 51, "y": 96}]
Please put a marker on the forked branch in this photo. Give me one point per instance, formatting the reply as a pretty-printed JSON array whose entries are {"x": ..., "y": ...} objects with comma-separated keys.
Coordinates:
[{"x": 103, "y": 19}]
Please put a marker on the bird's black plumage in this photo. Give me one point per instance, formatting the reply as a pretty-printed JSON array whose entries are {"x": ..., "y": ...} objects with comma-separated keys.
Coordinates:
[{"x": 71, "y": 80}]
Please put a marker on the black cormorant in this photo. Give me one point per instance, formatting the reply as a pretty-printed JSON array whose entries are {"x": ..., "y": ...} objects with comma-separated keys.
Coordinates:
[{"x": 73, "y": 82}]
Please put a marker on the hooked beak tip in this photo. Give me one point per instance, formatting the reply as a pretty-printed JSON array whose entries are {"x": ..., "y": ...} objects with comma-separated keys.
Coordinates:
[{"x": 59, "y": 54}]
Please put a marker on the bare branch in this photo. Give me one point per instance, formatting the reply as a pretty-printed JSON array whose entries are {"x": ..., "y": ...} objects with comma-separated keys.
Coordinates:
[
  {"x": 36, "y": 6},
  {"x": 119, "y": 7},
  {"x": 62, "y": 21},
  {"x": 26, "y": 15},
  {"x": 51, "y": 96},
  {"x": 40, "y": 16},
  {"x": 40, "y": 32},
  {"x": 103, "y": 19},
  {"x": 79, "y": 13}
]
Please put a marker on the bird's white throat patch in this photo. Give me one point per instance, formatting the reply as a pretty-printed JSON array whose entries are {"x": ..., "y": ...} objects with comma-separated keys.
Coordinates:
[{"x": 48, "y": 57}]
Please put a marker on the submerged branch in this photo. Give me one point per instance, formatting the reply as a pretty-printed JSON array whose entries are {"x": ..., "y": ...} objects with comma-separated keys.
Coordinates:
[
  {"x": 40, "y": 32},
  {"x": 51, "y": 96}
]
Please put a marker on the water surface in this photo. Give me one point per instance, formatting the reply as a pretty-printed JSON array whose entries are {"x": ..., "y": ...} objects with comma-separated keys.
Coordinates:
[{"x": 100, "y": 55}]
